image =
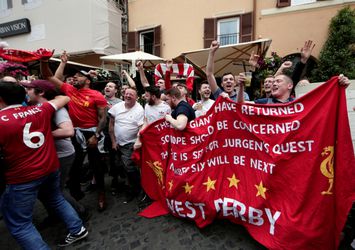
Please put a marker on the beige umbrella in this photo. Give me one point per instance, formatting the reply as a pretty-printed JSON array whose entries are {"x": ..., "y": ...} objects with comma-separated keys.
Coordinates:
[
  {"x": 148, "y": 60},
  {"x": 229, "y": 58}
]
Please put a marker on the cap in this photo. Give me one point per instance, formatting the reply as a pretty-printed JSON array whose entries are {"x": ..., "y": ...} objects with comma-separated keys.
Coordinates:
[
  {"x": 40, "y": 84},
  {"x": 84, "y": 73}
]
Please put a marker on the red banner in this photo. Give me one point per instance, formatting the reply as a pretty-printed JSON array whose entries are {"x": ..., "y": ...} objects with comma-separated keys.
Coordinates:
[
  {"x": 286, "y": 172},
  {"x": 16, "y": 55}
]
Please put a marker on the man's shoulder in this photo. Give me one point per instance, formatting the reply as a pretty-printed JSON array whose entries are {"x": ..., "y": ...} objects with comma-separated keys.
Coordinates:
[
  {"x": 263, "y": 100},
  {"x": 217, "y": 92},
  {"x": 163, "y": 105},
  {"x": 67, "y": 87},
  {"x": 138, "y": 106},
  {"x": 185, "y": 107}
]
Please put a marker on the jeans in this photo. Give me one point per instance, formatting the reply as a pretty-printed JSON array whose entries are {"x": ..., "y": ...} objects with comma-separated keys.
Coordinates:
[
  {"x": 130, "y": 167},
  {"x": 65, "y": 165},
  {"x": 17, "y": 204},
  {"x": 95, "y": 164}
]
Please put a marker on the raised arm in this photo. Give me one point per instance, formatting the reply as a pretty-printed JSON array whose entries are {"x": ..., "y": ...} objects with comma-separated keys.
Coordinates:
[
  {"x": 60, "y": 101},
  {"x": 253, "y": 61},
  {"x": 131, "y": 82},
  {"x": 284, "y": 65},
  {"x": 47, "y": 74},
  {"x": 144, "y": 79},
  {"x": 241, "y": 81},
  {"x": 167, "y": 80},
  {"x": 306, "y": 52},
  {"x": 210, "y": 67},
  {"x": 59, "y": 73}
]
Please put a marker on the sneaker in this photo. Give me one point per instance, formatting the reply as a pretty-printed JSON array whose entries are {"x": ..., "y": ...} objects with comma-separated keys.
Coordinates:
[
  {"x": 353, "y": 244},
  {"x": 129, "y": 196},
  {"x": 71, "y": 238}
]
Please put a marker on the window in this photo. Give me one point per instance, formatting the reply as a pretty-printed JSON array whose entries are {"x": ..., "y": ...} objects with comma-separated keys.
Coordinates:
[
  {"x": 31, "y": 4},
  {"x": 5, "y": 8},
  {"x": 300, "y": 2},
  {"x": 228, "y": 31},
  {"x": 285, "y": 3},
  {"x": 146, "y": 41},
  {"x": 5, "y": 5}
]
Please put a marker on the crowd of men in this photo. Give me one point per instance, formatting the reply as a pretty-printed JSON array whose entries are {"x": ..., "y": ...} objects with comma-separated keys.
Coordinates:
[{"x": 44, "y": 144}]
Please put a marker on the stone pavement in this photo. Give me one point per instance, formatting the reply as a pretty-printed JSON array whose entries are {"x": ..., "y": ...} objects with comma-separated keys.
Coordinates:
[{"x": 119, "y": 227}]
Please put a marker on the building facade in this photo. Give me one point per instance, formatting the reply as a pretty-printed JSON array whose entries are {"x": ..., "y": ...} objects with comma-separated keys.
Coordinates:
[
  {"x": 86, "y": 29},
  {"x": 167, "y": 28}
]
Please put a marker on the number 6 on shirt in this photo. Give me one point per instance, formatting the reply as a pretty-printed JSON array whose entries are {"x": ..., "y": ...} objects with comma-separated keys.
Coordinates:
[{"x": 28, "y": 136}]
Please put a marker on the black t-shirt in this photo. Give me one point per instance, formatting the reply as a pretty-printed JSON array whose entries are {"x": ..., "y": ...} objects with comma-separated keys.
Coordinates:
[
  {"x": 271, "y": 100},
  {"x": 184, "y": 108}
]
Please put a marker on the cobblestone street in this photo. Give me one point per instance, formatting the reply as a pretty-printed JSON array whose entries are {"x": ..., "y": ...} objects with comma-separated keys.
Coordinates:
[{"x": 119, "y": 227}]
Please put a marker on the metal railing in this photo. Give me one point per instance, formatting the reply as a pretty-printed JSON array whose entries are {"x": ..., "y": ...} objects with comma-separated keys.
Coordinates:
[
  {"x": 148, "y": 48},
  {"x": 226, "y": 39}
]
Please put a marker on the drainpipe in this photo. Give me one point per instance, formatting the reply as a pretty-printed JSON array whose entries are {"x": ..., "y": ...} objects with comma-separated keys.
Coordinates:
[{"x": 254, "y": 20}]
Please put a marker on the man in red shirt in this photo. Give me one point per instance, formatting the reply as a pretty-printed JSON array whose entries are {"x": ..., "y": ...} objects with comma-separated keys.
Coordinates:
[
  {"x": 27, "y": 145},
  {"x": 87, "y": 110}
]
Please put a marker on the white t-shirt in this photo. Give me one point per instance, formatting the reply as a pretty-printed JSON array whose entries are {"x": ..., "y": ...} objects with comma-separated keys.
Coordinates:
[
  {"x": 205, "y": 107},
  {"x": 156, "y": 112},
  {"x": 127, "y": 122}
]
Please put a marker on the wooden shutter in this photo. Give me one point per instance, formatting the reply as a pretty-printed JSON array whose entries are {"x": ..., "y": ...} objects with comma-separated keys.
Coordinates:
[
  {"x": 9, "y": 4},
  {"x": 133, "y": 41},
  {"x": 283, "y": 3},
  {"x": 157, "y": 40},
  {"x": 246, "y": 27},
  {"x": 210, "y": 31}
]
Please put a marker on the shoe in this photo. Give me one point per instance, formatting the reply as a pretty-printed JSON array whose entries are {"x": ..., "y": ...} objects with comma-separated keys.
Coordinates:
[
  {"x": 114, "y": 186},
  {"x": 144, "y": 201},
  {"x": 71, "y": 238},
  {"x": 129, "y": 196},
  {"x": 101, "y": 202},
  {"x": 353, "y": 244}
]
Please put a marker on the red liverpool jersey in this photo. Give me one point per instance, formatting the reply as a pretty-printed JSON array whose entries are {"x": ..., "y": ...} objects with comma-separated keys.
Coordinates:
[
  {"x": 27, "y": 143},
  {"x": 83, "y": 105}
]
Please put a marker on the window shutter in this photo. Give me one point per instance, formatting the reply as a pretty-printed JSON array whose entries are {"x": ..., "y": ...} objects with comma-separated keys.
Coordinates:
[
  {"x": 246, "y": 34},
  {"x": 133, "y": 41},
  {"x": 157, "y": 40},
  {"x": 9, "y": 4},
  {"x": 210, "y": 31},
  {"x": 283, "y": 3}
]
